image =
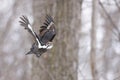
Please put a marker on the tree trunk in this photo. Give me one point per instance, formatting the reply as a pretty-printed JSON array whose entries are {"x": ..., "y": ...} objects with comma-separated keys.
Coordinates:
[
  {"x": 93, "y": 39},
  {"x": 60, "y": 63}
]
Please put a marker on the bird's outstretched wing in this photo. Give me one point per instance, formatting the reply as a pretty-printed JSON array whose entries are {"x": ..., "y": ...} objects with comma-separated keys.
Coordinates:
[
  {"x": 47, "y": 24},
  {"x": 47, "y": 31},
  {"x": 26, "y": 24}
]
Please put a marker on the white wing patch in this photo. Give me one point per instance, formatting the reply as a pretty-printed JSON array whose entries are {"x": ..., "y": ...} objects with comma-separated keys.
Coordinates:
[
  {"x": 50, "y": 25},
  {"x": 39, "y": 45}
]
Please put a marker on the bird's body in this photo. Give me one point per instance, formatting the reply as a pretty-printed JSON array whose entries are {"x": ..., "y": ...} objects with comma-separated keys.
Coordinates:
[
  {"x": 37, "y": 51},
  {"x": 43, "y": 41}
]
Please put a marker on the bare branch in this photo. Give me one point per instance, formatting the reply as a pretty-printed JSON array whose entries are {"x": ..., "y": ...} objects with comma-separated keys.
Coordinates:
[
  {"x": 117, "y": 5},
  {"x": 109, "y": 18}
]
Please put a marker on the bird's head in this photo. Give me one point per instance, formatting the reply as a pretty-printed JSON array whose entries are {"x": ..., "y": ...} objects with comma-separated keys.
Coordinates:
[{"x": 49, "y": 45}]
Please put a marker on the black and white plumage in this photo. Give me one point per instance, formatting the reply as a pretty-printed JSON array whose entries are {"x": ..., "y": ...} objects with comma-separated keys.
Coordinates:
[{"x": 43, "y": 41}]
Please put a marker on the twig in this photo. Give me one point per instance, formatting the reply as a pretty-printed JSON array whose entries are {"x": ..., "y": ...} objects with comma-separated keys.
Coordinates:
[{"x": 109, "y": 18}]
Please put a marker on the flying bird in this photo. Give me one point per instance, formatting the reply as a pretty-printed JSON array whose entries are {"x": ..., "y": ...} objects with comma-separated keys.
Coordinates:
[{"x": 43, "y": 40}]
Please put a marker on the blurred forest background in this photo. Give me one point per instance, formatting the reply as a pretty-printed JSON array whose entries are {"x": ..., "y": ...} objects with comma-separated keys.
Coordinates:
[{"x": 87, "y": 45}]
